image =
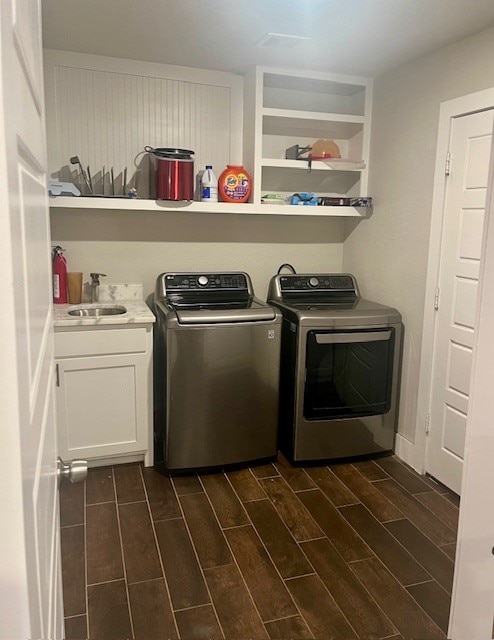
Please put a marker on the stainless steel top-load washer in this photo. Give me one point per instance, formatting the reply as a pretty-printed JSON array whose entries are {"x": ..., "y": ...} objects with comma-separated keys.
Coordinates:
[
  {"x": 340, "y": 363},
  {"x": 217, "y": 351}
]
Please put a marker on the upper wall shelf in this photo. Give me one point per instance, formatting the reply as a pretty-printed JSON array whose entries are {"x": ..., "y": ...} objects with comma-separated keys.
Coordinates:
[
  {"x": 226, "y": 119},
  {"x": 127, "y": 204},
  {"x": 284, "y": 108},
  {"x": 316, "y": 165}
]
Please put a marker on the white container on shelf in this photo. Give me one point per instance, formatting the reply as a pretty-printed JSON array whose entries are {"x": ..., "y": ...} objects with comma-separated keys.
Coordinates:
[{"x": 209, "y": 185}]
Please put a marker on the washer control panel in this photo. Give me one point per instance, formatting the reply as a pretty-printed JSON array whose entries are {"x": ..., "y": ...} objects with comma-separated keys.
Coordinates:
[
  {"x": 205, "y": 281},
  {"x": 317, "y": 282}
]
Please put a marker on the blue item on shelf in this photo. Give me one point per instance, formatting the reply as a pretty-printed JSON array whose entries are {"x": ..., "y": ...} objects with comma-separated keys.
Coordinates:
[{"x": 308, "y": 199}]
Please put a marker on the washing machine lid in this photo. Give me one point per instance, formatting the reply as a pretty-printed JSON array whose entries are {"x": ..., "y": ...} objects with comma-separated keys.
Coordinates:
[
  {"x": 211, "y": 297},
  {"x": 210, "y": 312}
]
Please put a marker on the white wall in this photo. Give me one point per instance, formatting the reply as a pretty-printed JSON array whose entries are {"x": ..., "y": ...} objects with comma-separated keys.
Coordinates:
[
  {"x": 138, "y": 246},
  {"x": 388, "y": 252}
]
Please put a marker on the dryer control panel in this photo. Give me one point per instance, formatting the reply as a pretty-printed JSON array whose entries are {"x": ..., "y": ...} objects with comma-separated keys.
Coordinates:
[
  {"x": 317, "y": 282},
  {"x": 333, "y": 287}
]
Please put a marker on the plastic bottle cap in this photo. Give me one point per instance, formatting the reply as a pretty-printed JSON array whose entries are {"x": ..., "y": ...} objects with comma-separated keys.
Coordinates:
[{"x": 209, "y": 166}]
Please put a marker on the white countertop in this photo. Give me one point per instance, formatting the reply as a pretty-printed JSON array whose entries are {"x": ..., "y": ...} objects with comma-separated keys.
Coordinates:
[{"x": 137, "y": 313}]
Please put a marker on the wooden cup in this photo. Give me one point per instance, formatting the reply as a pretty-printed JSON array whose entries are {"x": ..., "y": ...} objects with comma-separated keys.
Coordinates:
[{"x": 74, "y": 285}]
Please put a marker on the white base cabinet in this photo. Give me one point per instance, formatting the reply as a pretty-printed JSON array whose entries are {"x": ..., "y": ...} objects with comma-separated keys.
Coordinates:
[{"x": 103, "y": 394}]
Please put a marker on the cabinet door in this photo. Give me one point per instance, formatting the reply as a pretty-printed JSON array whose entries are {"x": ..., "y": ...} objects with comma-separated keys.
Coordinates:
[{"x": 102, "y": 406}]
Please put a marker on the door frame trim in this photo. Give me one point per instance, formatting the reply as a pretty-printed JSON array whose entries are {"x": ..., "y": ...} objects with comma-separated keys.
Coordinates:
[{"x": 449, "y": 110}]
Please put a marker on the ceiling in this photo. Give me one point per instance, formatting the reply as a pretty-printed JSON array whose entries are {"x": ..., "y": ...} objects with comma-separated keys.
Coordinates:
[{"x": 360, "y": 37}]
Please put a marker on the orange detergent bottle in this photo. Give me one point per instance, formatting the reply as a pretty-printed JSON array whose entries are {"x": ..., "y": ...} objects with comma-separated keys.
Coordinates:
[{"x": 234, "y": 184}]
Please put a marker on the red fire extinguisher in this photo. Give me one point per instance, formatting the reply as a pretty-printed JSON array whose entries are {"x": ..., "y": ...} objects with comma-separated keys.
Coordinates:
[{"x": 59, "y": 268}]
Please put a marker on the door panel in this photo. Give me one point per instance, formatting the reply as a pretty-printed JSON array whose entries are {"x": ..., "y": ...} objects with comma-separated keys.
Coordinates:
[
  {"x": 463, "y": 222},
  {"x": 465, "y": 297},
  {"x": 459, "y": 368},
  {"x": 476, "y": 174},
  {"x": 472, "y": 223},
  {"x": 454, "y": 434}
]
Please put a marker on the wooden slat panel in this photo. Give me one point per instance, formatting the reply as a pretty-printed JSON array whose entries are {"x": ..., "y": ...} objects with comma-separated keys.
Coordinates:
[
  {"x": 396, "y": 603},
  {"x": 441, "y": 507},
  {"x": 99, "y": 486},
  {"x": 282, "y": 548},
  {"x": 152, "y": 616},
  {"x": 399, "y": 544},
  {"x": 236, "y": 611},
  {"x": 187, "y": 484},
  {"x": 292, "y": 511},
  {"x": 128, "y": 482},
  {"x": 161, "y": 496},
  {"x": 227, "y": 506},
  {"x": 368, "y": 495},
  {"x": 139, "y": 547},
  {"x": 434, "y": 600},
  {"x": 73, "y": 570},
  {"x": 320, "y": 611},
  {"x": 393, "y": 555},
  {"x": 449, "y": 550},
  {"x": 354, "y": 601},
  {"x": 182, "y": 572},
  {"x": 76, "y": 628},
  {"x": 104, "y": 554},
  {"x": 265, "y": 585},
  {"x": 265, "y": 471},
  {"x": 370, "y": 470},
  {"x": 295, "y": 477},
  {"x": 421, "y": 517},
  {"x": 208, "y": 539},
  {"x": 452, "y": 497},
  {"x": 108, "y": 611},
  {"x": 424, "y": 551},
  {"x": 293, "y": 627},
  {"x": 434, "y": 484},
  {"x": 407, "y": 478},
  {"x": 71, "y": 504},
  {"x": 332, "y": 487},
  {"x": 345, "y": 539},
  {"x": 245, "y": 485},
  {"x": 199, "y": 623}
]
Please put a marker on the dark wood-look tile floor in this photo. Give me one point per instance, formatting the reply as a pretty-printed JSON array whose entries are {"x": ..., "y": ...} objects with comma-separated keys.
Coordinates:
[{"x": 360, "y": 550}]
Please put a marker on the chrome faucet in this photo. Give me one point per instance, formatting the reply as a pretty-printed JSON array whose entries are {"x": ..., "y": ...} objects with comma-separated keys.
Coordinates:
[{"x": 95, "y": 284}]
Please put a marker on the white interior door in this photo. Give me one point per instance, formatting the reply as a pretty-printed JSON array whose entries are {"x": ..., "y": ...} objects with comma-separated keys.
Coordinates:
[
  {"x": 461, "y": 243},
  {"x": 29, "y": 533},
  {"x": 472, "y": 606}
]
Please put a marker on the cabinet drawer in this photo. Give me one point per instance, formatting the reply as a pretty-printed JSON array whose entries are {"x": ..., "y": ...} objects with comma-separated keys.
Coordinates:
[{"x": 100, "y": 342}]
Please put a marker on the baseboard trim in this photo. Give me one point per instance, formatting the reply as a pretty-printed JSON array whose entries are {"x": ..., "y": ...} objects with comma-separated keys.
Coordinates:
[{"x": 406, "y": 451}]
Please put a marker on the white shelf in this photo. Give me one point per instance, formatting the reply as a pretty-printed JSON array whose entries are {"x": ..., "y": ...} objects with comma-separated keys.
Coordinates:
[
  {"x": 317, "y": 165},
  {"x": 127, "y": 204},
  {"x": 311, "y": 123},
  {"x": 312, "y": 115}
]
